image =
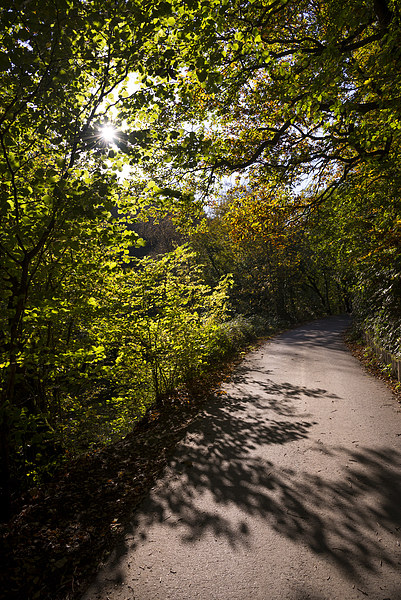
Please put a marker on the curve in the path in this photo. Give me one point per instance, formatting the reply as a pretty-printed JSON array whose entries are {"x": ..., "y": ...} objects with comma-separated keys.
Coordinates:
[{"x": 286, "y": 487}]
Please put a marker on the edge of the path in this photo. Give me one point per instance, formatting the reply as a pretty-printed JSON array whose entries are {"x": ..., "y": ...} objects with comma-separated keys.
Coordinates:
[
  {"x": 52, "y": 547},
  {"x": 366, "y": 355}
]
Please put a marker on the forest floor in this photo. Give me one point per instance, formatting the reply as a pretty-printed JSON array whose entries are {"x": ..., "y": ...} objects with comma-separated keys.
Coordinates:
[
  {"x": 51, "y": 549},
  {"x": 53, "y": 545}
]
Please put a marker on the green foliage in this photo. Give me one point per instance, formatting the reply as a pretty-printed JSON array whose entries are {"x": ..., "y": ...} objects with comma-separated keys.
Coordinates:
[
  {"x": 298, "y": 87},
  {"x": 306, "y": 92},
  {"x": 281, "y": 93},
  {"x": 64, "y": 71},
  {"x": 160, "y": 324},
  {"x": 282, "y": 262},
  {"x": 378, "y": 307},
  {"x": 104, "y": 347}
]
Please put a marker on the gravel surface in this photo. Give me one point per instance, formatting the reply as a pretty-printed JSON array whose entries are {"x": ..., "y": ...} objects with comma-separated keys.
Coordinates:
[{"x": 286, "y": 487}]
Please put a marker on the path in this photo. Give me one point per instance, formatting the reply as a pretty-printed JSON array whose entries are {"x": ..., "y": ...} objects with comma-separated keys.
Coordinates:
[{"x": 287, "y": 487}]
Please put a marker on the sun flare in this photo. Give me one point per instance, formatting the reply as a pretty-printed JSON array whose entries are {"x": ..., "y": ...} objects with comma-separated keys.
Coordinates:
[{"x": 108, "y": 133}]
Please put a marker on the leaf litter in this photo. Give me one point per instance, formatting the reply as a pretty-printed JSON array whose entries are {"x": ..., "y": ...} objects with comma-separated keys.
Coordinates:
[{"x": 61, "y": 532}]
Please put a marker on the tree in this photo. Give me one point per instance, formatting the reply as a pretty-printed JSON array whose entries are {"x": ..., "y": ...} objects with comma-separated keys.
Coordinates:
[
  {"x": 308, "y": 89},
  {"x": 283, "y": 92},
  {"x": 284, "y": 261},
  {"x": 305, "y": 93},
  {"x": 64, "y": 70}
]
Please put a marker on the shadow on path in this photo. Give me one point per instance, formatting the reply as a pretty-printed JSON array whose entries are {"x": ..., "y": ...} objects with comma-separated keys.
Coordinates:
[
  {"x": 218, "y": 467},
  {"x": 324, "y": 332}
]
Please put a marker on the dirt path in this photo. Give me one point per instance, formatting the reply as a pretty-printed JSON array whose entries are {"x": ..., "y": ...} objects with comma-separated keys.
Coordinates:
[{"x": 287, "y": 487}]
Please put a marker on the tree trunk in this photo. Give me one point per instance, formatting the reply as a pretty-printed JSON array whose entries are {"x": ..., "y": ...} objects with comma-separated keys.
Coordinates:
[
  {"x": 17, "y": 303},
  {"x": 5, "y": 483}
]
